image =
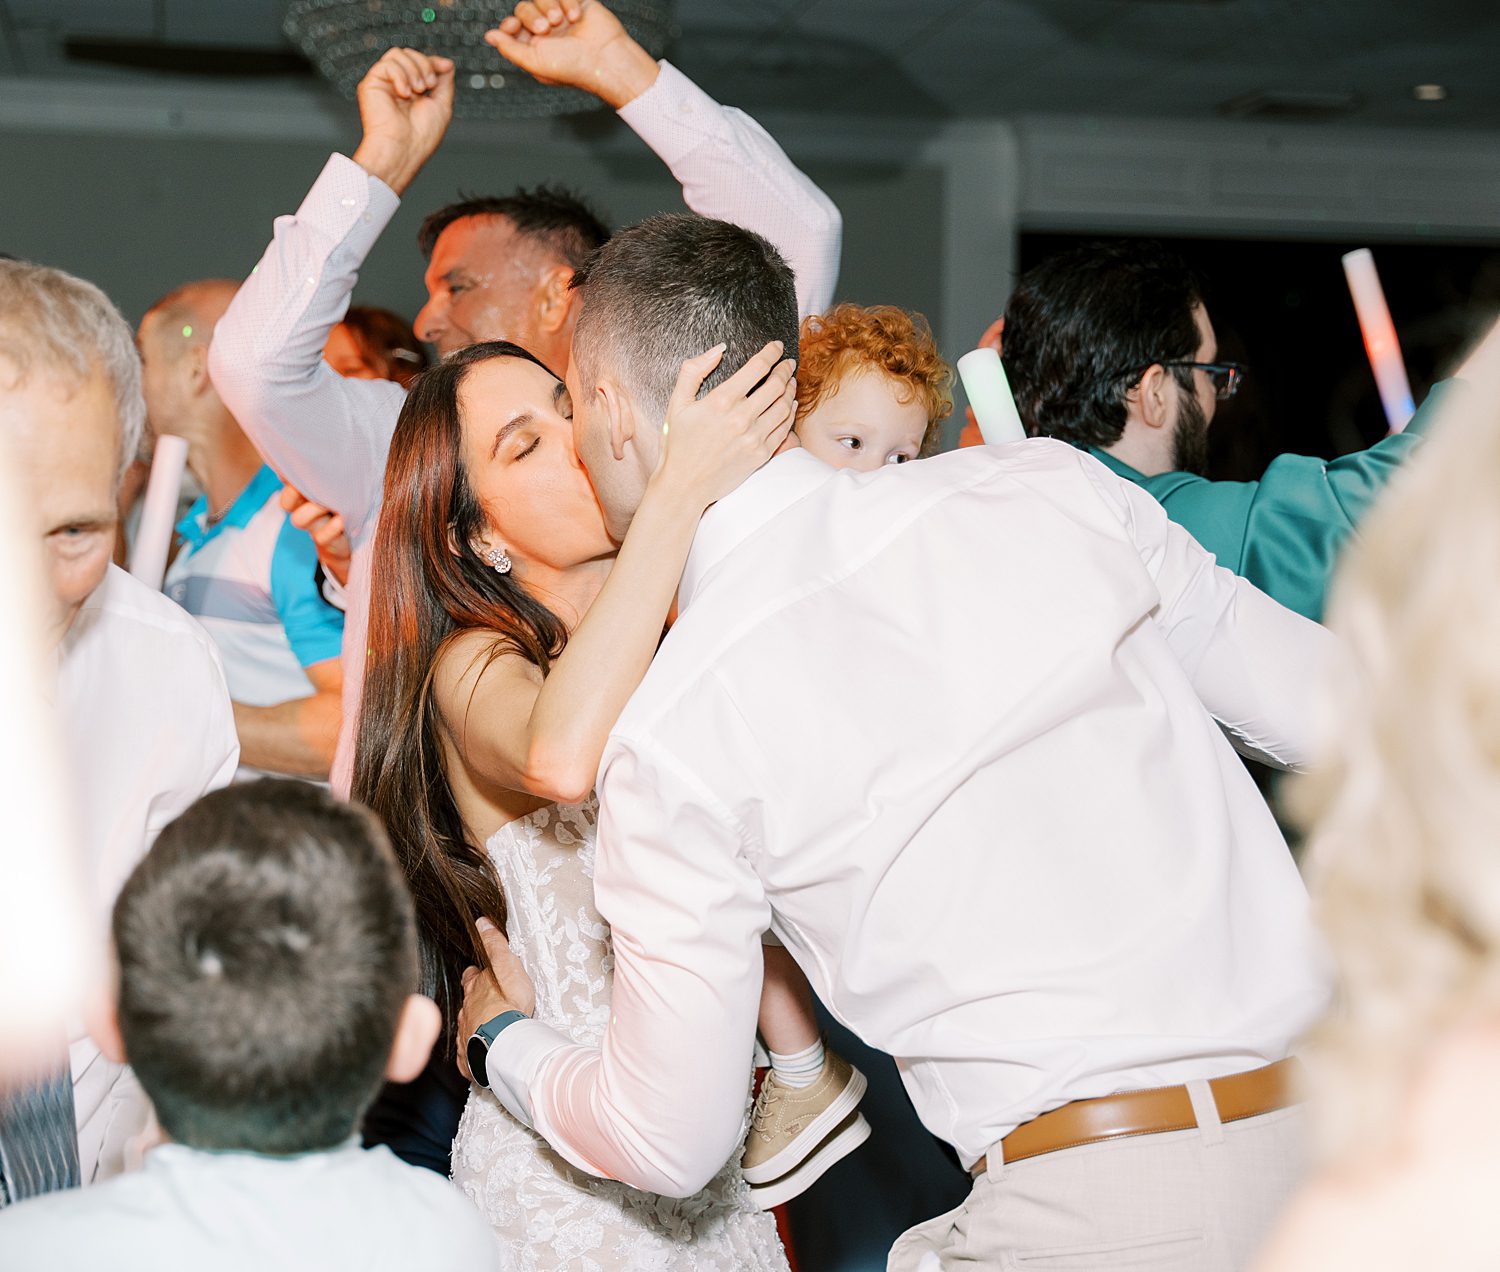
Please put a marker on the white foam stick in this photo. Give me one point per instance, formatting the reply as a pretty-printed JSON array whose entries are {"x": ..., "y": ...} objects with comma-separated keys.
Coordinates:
[
  {"x": 1381, "y": 345},
  {"x": 47, "y": 957},
  {"x": 989, "y": 394},
  {"x": 159, "y": 511}
]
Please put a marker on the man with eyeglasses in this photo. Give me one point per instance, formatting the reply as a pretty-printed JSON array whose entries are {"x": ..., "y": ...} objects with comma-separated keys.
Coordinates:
[{"x": 1110, "y": 347}]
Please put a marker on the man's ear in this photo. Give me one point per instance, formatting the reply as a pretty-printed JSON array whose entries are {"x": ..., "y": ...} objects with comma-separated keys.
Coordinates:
[
  {"x": 1154, "y": 396},
  {"x": 416, "y": 1032},
  {"x": 619, "y": 414},
  {"x": 195, "y": 368},
  {"x": 555, "y": 299}
]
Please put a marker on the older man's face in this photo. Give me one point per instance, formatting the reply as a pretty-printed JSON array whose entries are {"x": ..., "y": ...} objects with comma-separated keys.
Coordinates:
[{"x": 65, "y": 441}]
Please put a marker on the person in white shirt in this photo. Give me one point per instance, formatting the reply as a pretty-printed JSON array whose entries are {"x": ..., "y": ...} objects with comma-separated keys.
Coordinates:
[
  {"x": 141, "y": 698},
  {"x": 268, "y": 964},
  {"x": 1037, "y": 879}
]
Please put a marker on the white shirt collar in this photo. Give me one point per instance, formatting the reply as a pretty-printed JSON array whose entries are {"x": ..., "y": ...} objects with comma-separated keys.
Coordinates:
[{"x": 762, "y": 497}]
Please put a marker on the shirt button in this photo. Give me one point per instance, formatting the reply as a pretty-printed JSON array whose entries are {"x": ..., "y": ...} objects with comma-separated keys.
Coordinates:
[{"x": 348, "y": 203}]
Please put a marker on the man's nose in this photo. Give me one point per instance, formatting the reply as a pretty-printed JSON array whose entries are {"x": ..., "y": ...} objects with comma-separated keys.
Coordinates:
[{"x": 431, "y": 321}]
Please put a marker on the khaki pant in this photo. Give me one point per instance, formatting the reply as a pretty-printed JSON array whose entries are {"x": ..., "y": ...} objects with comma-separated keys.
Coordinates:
[{"x": 1185, "y": 1201}]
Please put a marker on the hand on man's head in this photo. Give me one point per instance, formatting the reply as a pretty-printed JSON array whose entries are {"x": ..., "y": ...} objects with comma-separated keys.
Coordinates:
[
  {"x": 577, "y": 43},
  {"x": 405, "y": 105}
]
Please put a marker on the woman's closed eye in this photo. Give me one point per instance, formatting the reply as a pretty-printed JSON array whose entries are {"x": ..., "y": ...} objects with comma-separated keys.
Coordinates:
[{"x": 530, "y": 446}]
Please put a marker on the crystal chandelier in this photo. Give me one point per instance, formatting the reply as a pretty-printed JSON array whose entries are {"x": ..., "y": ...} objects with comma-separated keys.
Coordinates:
[{"x": 344, "y": 38}]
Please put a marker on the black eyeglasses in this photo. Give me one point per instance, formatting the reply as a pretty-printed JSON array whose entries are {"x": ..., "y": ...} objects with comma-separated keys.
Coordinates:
[{"x": 1226, "y": 376}]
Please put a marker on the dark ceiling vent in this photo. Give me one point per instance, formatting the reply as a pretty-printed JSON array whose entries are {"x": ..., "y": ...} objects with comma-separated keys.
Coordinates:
[{"x": 1291, "y": 107}]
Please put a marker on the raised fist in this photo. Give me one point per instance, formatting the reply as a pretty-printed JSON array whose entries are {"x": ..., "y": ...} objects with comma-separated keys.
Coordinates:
[
  {"x": 405, "y": 105},
  {"x": 578, "y": 43}
]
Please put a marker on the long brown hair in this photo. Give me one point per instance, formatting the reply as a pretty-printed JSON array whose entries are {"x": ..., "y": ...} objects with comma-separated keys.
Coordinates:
[{"x": 428, "y": 585}]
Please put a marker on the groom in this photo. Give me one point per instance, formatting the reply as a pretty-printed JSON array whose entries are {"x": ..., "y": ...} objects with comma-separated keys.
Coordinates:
[{"x": 1039, "y": 878}]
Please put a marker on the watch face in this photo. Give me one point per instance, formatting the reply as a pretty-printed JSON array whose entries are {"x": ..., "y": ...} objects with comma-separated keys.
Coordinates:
[{"x": 477, "y": 1054}]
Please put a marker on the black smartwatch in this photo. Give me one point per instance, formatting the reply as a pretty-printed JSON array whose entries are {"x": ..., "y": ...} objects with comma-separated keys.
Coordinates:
[{"x": 478, "y": 1049}]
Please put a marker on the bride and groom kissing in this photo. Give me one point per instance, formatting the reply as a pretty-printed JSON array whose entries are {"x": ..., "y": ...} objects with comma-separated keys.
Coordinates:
[{"x": 949, "y": 731}]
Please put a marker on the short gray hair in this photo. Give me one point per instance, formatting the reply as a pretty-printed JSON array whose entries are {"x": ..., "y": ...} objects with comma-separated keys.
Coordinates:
[{"x": 51, "y": 319}]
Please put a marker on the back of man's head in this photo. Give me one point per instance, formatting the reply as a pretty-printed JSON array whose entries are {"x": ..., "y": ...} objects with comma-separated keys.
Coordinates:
[
  {"x": 672, "y": 287},
  {"x": 186, "y": 316},
  {"x": 1083, "y": 325},
  {"x": 62, "y": 328},
  {"x": 266, "y": 948}
]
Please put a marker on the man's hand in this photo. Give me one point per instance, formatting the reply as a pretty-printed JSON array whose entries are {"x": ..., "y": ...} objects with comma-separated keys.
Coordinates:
[
  {"x": 327, "y": 530},
  {"x": 578, "y": 43},
  {"x": 506, "y": 987},
  {"x": 405, "y": 104}
]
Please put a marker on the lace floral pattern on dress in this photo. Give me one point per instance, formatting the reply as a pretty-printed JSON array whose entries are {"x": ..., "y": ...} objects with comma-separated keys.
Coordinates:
[{"x": 548, "y": 1216}]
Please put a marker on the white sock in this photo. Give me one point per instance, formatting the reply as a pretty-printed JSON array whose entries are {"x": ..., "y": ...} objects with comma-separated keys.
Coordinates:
[{"x": 801, "y": 1068}]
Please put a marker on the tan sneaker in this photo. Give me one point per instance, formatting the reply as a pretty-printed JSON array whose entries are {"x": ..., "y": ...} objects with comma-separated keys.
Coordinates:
[{"x": 797, "y": 1133}]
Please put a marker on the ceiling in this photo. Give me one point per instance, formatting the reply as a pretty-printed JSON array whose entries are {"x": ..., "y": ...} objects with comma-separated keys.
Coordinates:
[{"x": 1352, "y": 60}]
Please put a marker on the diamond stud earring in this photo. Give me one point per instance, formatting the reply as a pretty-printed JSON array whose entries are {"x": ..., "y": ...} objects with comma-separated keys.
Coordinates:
[{"x": 498, "y": 560}]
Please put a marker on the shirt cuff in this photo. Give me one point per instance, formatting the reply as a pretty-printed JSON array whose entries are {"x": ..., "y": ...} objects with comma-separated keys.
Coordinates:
[
  {"x": 348, "y": 203},
  {"x": 514, "y": 1060},
  {"x": 674, "y": 116}
]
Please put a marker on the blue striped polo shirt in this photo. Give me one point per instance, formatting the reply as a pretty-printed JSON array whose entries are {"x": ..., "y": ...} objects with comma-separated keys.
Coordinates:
[{"x": 248, "y": 578}]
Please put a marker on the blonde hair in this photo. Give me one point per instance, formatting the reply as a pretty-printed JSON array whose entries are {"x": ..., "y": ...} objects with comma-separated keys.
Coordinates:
[{"x": 1404, "y": 862}]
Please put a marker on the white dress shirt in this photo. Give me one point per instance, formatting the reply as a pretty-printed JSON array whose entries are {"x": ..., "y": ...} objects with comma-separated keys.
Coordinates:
[
  {"x": 328, "y": 436},
  {"x": 949, "y": 729},
  {"x": 147, "y": 728},
  {"x": 193, "y": 1211}
]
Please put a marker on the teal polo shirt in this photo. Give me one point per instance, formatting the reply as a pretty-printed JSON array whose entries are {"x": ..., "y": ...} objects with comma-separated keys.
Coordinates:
[{"x": 1285, "y": 531}]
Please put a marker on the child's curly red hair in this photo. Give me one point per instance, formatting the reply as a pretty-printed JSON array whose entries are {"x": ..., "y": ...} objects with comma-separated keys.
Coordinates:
[{"x": 894, "y": 341}]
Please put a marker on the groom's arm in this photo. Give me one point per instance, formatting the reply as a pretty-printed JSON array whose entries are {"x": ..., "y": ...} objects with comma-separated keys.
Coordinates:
[{"x": 661, "y": 1104}]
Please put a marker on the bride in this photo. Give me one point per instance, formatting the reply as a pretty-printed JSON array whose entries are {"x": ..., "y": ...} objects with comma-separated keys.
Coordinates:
[{"x": 507, "y": 632}]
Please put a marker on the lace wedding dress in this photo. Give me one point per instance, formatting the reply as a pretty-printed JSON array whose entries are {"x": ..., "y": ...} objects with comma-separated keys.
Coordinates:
[{"x": 546, "y": 1214}]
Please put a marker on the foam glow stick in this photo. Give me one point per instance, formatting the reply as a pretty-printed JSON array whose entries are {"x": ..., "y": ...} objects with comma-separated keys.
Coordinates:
[
  {"x": 989, "y": 393},
  {"x": 1381, "y": 345},
  {"x": 159, "y": 511}
]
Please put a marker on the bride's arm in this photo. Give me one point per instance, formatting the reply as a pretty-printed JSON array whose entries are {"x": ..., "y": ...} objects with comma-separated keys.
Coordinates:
[{"x": 520, "y": 731}]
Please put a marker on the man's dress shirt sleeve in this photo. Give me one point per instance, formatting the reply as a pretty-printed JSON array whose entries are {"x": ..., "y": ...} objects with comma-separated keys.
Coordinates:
[
  {"x": 1257, "y": 666},
  {"x": 660, "y": 1106}
]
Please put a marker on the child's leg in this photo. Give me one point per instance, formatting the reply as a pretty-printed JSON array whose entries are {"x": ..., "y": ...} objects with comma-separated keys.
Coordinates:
[
  {"x": 787, "y": 1024},
  {"x": 807, "y": 1116}
]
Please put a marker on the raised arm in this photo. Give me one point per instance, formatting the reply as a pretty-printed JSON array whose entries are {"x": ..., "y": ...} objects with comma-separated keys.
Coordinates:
[
  {"x": 1257, "y": 667},
  {"x": 512, "y": 728},
  {"x": 729, "y": 167},
  {"x": 325, "y": 434}
]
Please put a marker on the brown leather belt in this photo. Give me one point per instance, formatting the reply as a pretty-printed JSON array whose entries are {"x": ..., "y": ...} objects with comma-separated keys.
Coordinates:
[{"x": 1154, "y": 1112}]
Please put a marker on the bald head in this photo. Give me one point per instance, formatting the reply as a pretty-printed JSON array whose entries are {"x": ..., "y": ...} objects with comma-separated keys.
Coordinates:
[
  {"x": 174, "y": 339},
  {"x": 187, "y": 316}
]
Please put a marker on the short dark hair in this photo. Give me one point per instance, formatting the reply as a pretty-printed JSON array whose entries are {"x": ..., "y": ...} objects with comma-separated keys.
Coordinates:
[
  {"x": 1081, "y": 324},
  {"x": 554, "y": 217},
  {"x": 673, "y": 286},
  {"x": 266, "y": 948}
]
